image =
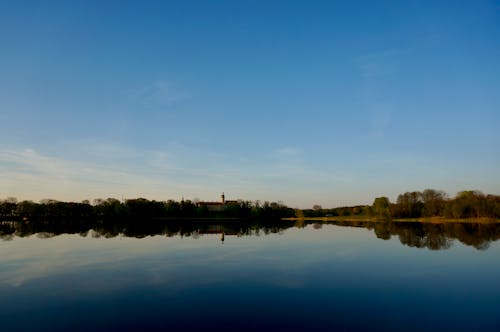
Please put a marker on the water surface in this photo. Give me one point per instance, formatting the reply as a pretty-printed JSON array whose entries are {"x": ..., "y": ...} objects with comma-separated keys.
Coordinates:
[{"x": 313, "y": 277}]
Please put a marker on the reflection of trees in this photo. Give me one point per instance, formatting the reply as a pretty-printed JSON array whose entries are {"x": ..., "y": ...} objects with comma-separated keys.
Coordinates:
[
  {"x": 382, "y": 231},
  {"x": 432, "y": 236},
  {"x": 412, "y": 234},
  {"x": 441, "y": 236},
  {"x": 476, "y": 235},
  {"x": 141, "y": 228},
  {"x": 7, "y": 230},
  {"x": 317, "y": 225}
]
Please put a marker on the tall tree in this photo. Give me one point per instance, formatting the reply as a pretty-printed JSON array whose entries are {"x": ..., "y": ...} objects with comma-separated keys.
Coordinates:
[
  {"x": 434, "y": 202},
  {"x": 381, "y": 207}
]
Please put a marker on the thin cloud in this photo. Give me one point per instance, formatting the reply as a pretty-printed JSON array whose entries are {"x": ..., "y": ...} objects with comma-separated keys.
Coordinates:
[
  {"x": 159, "y": 94},
  {"x": 379, "y": 63},
  {"x": 152, "y": 174},
  {"x": 376, "y": 95},
  {"x": 288, "y": 151},
  {"x": 28, "y": 172}
]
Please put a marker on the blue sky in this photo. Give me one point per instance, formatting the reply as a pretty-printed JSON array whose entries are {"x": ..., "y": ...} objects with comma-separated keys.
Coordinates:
[{"x": 305, "y": 102}]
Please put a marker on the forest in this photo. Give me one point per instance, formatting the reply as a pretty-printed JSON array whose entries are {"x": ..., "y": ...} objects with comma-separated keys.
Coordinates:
[
  {"x": 112, "y": 209},
  {"x": 428, "y": 203}
]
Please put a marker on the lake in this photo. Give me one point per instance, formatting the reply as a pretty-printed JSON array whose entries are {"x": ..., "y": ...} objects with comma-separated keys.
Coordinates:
[{"x": 311, "y": 277}]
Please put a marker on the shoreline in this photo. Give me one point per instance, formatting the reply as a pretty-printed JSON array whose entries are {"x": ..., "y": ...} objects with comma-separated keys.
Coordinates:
[{"x": 430, "y": 220}]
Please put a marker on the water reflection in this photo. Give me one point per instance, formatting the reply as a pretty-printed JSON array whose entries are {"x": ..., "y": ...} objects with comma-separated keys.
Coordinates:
[
  {"x": 413, "y": 234},
  {"x": 287, "y": 276}
]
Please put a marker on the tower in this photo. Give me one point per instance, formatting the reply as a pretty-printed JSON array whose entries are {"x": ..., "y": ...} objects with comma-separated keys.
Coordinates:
[{"x": 223, "y": 198}]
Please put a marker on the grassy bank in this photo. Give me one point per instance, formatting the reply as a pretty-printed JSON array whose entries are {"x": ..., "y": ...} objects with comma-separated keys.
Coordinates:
[{"x": 433, "y": 220}]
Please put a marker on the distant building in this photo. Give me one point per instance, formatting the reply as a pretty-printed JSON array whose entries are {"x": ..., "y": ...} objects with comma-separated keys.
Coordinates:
[{"x": 216, "y": 206}]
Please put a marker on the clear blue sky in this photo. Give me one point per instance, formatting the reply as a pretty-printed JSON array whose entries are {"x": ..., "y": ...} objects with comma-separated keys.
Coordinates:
[{"x": 306, "y": 102}]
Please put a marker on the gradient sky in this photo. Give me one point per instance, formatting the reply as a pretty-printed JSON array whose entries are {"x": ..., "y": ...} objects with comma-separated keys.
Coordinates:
[{"x": 305, "y": 102}]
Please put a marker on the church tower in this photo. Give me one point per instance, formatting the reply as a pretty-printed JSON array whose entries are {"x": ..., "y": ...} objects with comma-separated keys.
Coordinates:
[{"x": 223, "y": 198}]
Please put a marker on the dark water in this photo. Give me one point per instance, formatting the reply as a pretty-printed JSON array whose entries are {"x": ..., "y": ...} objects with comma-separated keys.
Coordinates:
[{"x": 315, "y": 277}]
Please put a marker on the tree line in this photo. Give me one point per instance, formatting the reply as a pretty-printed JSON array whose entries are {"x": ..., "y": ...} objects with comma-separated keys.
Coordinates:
[
  {"x": 112, "y": 209},
  {"x": 416, "y": 204}
]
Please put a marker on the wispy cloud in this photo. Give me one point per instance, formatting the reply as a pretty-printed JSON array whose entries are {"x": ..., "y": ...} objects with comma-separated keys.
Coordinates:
[
  {"x": 159, "y": 94},
  {"x": 114, "y": 171},
  {"x": 377, "y": 64},
  {"x": 288, "y": 151},
  {"x": 377, "y": 70},
  {"x": 284, "y": 174},
  {"x": 36, "y": 175}
]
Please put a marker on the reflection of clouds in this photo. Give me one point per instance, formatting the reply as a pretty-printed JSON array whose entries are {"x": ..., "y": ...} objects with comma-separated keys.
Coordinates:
[
  {"x": 107, "y": 264},
  {"x": 32, "y": 258}
]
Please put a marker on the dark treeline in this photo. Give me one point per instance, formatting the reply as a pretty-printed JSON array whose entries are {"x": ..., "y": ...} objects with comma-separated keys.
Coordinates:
[
  {"x": 413, "y": 234},
  {"x": 136, "y": 209},
  {"x": 416, "y": 204},
  {"x": 428, "y": 203}
]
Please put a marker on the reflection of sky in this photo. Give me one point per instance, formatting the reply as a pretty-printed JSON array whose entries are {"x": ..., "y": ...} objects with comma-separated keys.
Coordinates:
[
  {"x": 32, "y": 257},
  {"x": 35, "y": 257},
  {"x": 341, "y": 268}
]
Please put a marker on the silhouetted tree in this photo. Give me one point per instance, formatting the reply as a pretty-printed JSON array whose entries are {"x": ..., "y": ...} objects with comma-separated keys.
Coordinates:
[
  {"x": 467, "y": 204},
  {"x": 434, "y": 202},
  {"x": 408, "y": 205},
  {"x": 381, "y": 207}
]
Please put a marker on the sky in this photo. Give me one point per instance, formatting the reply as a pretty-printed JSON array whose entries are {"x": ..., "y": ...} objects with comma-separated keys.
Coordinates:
[{"x": 304, "y": 102}]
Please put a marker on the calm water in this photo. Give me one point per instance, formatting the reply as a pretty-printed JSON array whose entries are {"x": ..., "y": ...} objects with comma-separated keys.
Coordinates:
[{"x": 317, "y": 277}]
